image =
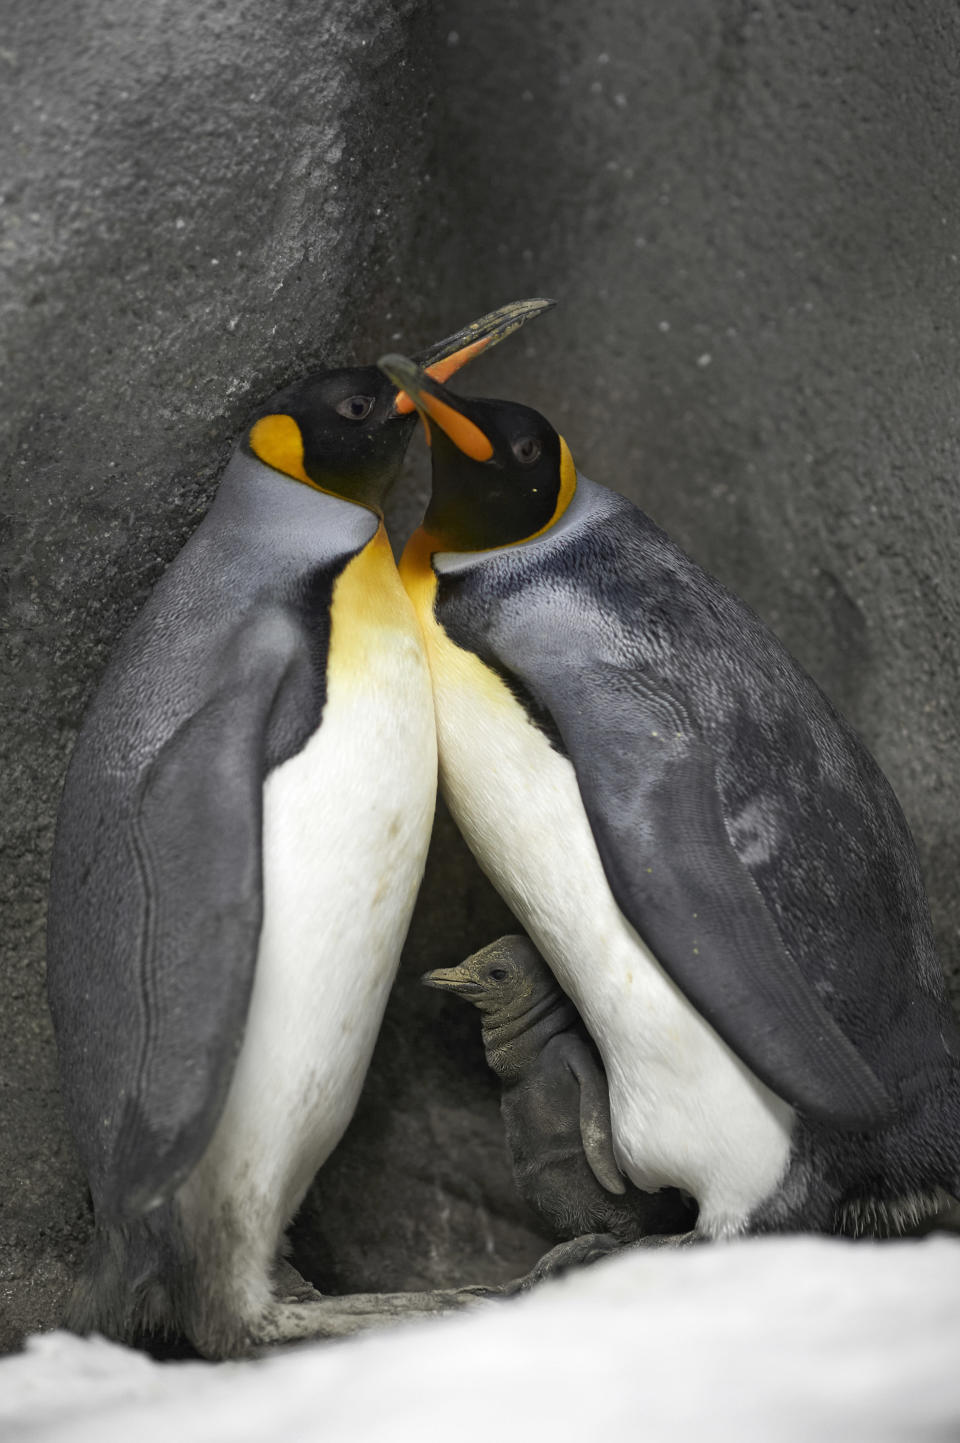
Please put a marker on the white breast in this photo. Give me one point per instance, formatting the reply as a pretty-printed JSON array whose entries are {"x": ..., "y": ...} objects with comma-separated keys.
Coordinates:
[
  {"x": 345, "y": 832},
  {"x": 684, "y": 1109}
]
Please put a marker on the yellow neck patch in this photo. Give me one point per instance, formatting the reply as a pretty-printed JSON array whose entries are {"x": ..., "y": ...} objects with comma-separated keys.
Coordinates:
[
  {"x": 416, "y": 571},
  {"x": 450, "y": 665},
  {"x": 370, "y": 615},
  {"x": 277, "y": 441}
]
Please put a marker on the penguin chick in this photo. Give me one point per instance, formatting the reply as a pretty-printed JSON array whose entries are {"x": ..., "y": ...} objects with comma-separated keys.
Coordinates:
[
  {"x": 712, "y": 864},
  {"x": 240, "y": 841},
  {"x": 554, "y": 1102}
]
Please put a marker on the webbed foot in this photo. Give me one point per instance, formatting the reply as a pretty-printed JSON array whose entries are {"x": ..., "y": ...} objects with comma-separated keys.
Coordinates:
[
  {"x": 317, "y": 1316},
  {"x": 668, "y": 1240},
  {"x": 322, "y": 1316},
  {"x": 577, "y": 1253},
  {"x": 589, "y": 1248}
]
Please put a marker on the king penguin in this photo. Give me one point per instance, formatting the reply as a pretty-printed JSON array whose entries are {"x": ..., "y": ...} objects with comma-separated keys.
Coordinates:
[
  {"x": 706, "y": 854},
  {"x": 240, "y": 841}
]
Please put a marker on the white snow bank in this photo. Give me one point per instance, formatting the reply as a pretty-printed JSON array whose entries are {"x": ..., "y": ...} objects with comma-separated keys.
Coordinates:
[{"x": 775, "y": 1340}]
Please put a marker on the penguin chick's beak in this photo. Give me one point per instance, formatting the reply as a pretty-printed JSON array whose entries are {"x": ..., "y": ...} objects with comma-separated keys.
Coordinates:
[
  {"x": 437, "y": 404},
  {"x": 450, "y": 979},
  {"x": 446, "y": 357}
]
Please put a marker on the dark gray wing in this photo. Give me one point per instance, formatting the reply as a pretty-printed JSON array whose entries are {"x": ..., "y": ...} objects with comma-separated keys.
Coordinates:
[
  {"x": 596, "y": 1132},
  {"x": 649, "y": 788},
  {"x": 155, "y": 920}
]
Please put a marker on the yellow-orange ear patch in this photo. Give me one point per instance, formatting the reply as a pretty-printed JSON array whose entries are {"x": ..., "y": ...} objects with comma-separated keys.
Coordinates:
[
  {"x": 467, "y": 437},
  {"x": 568, "y": 485},
  {"x": 568, "y": 480},
  {"x": 277, "y": 441}
]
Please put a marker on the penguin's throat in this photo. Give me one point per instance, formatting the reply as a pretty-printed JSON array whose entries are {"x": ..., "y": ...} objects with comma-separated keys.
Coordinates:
[
  {"x": 417, "y": 573},
  {"x": 513, "y": 1039}
]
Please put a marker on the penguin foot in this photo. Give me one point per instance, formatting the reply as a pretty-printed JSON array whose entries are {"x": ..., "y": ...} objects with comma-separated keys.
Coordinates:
[
  {"x": 668, "y": 1240},
  {"x": 577, "y": 1253},
  {"x": 589, "y": 1248},
  {"x": 321, "y": 1316}
]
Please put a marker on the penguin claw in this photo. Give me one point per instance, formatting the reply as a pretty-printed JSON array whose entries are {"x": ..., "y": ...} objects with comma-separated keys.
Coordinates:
[{"x": 290, "y": 1287}]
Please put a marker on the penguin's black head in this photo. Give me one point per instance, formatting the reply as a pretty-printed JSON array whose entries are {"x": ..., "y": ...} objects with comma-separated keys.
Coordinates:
[
  {"x": 346, "y": 431},
  {"x": 501, "y": 473},
  {"x": 509, "y": 976},
  {"x": 336, "y": 430}
]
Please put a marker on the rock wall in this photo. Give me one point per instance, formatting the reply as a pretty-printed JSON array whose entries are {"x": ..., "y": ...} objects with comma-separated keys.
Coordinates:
[{"x": 749, "y": 213}]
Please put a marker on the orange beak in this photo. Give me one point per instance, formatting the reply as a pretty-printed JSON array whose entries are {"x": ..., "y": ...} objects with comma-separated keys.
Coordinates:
[
  {"x": 444, "y": 359},
  {"x": 432, "y": 401}
]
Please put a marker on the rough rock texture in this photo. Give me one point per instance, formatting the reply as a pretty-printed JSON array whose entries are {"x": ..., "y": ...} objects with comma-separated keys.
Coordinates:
[{"x": 750, "y": 215}]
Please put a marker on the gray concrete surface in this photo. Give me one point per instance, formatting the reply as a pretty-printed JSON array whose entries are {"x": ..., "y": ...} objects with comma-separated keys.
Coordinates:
[{"x": 750, "y": 215}]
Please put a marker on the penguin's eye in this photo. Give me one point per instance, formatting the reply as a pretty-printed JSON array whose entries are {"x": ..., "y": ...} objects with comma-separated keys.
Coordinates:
[
  {"x": 497, "y": 973},
  {"x": 527, "y": 450},
  {"x": 356, "y": 408}
]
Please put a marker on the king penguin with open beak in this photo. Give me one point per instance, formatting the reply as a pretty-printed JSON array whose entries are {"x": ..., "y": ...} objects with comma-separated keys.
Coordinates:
[
  {"x": 241, "y": 837},
  {"x": 713, "y": 865}
]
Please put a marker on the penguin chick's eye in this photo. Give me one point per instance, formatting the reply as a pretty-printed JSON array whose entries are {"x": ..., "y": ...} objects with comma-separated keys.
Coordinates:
[
  {"x": 356, "y": 408},
  {"x": 527, "y": 450},
  {"x": 497, "y": 974}
]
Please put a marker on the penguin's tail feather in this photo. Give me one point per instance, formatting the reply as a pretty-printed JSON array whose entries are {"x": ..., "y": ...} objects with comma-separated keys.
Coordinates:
[{"x": 124, "y": 1288}]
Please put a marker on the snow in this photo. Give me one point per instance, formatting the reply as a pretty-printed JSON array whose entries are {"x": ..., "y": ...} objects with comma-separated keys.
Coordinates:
[{"x": 775, "y": 1340}]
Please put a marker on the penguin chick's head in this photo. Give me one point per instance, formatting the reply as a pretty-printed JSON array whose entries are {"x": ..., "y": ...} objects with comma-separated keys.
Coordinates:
[
  {"x": 346, "y": 431},
  {"x": 509, "y": 976},
  {"x": 501, "y": 473}
]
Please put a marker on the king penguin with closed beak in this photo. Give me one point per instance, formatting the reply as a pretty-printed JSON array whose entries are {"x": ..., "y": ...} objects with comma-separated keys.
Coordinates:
[
  {"x": 241, "y": 837},
  {"x": 707, "y": 856}
]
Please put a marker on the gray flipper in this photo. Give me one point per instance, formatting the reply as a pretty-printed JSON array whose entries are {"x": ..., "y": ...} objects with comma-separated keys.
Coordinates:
[
  {"x": 649, "y": 787},
  {"x": 195, "y": 834},
  {"x": 596, "y": 1132}
]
